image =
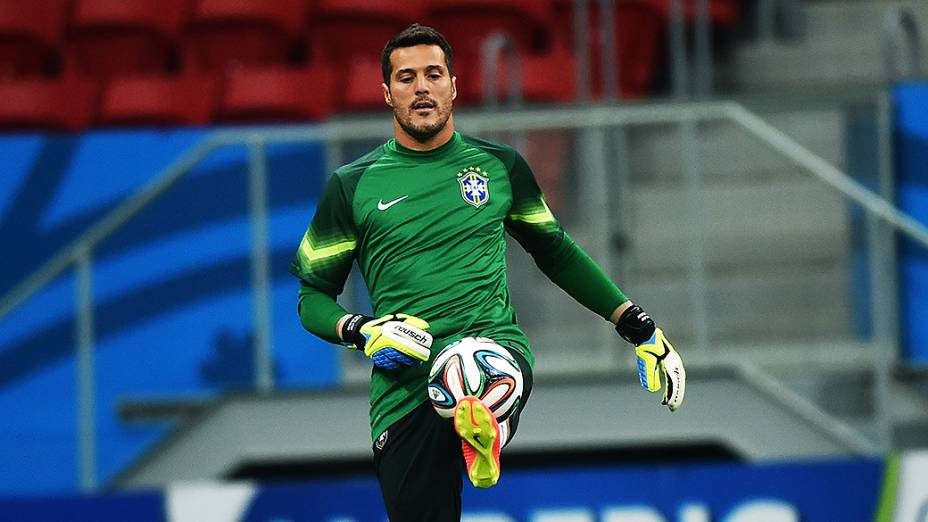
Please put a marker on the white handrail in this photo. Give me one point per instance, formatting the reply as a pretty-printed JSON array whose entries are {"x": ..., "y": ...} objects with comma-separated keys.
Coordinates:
[
  {"x": 106, "y": 226},
  {"x": 830, "y": 425},
  {"x": 831, "y": 175}
]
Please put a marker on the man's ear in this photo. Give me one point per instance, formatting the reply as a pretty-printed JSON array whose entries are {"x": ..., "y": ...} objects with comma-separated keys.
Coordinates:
[
  {"x": 454, "y": 87},
  {"x": 386, "y": 95}
]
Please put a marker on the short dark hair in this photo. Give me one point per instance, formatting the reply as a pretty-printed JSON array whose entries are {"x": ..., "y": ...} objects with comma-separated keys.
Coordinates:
[{"x": 415, "y": 34}]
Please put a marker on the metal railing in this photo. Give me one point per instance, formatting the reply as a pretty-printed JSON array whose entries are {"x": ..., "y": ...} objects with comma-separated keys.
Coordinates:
[
  {"x": 594, "y": 122},
  {"x": 901, "y": 29},
  {"x": 686, "y": 79},
  {"x": 495, "y": 46}
]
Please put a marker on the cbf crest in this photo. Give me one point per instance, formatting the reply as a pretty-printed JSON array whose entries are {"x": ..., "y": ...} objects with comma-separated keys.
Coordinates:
[{"x": 475, "y": 185}]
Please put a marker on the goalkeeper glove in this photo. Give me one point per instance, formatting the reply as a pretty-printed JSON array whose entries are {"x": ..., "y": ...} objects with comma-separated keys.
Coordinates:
[
  {"x": 393, "y": 341},
  {"x": 656, "y": 356}
]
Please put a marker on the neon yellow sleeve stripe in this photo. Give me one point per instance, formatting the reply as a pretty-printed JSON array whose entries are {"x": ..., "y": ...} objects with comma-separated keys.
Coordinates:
[
  {"x": 542, "y": 216},
  {"x": 887, "y": 505},
  {"x": 311, "y": 253}
]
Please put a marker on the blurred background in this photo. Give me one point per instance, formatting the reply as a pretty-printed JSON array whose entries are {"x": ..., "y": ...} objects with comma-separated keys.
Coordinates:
[{"x": 754, "y": 173}]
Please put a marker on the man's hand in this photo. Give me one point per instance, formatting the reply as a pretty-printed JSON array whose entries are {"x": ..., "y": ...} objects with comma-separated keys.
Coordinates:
[
  {"x": 656, "y": 356},
  {"x": 393, "y": 341}
]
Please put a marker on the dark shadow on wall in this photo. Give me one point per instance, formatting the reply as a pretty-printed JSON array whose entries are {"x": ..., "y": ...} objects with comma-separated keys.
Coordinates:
[{"x": 232, "y": 363}]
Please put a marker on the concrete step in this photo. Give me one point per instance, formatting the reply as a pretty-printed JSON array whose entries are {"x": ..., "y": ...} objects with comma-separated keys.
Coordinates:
[
  {"x": 843, "y": 44},
  {"x": 765, "y": 66},
  {"x": 743, "y": 226},
  {"x": 777, "y": 266},
  {"x": 794, "y": 303},
  {"x": 728, "y": 153},
  {"x": 787, "y": 303},
  {"x": 860, "y": 21}
]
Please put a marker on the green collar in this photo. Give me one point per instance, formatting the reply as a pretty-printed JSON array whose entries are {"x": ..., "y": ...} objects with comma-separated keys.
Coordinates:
[{"x": 450, "y": 145}]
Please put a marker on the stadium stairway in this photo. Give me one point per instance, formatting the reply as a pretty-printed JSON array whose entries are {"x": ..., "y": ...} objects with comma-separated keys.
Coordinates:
[
  {"x": 841, "y": 44},
  {"x": 777, "y": 241},
  {"x": 783, "y": 258}
]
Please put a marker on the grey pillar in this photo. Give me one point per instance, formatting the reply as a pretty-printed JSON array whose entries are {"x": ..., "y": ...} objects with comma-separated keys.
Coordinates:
[
  {"x": 86, "y": 407},
  {"x": 260, "y": 267}
]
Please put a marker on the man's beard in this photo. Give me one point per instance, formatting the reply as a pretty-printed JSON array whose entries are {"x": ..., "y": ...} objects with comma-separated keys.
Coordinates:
[{"x": 422, "y": 134}]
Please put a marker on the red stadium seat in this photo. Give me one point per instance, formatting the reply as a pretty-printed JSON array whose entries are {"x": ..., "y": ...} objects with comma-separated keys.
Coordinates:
[
  {"x": 229, "y": 33},
  {"x": 158, "y": 100},
  {"x": 68, "y": 104},
  {"x": 113, "y": 37},
  {"x": 344, "y": 30},
  {"x": 30, "y": 31},
  {"x": 640, "y": 33},
  {"x": 363, "y": 90},
  {"x": 278, "y": 94},
  {"x": 640, "y": 40},
  {"x": 548, "y": 77},
  {"x": 467, "y": 23},
  {"x": 641, "y": 27}
]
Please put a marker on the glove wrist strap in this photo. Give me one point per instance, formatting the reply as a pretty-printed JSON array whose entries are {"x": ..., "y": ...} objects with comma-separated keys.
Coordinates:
[
  {"x": 351, "y": 330},
  {"x": 635, "y": 325}
]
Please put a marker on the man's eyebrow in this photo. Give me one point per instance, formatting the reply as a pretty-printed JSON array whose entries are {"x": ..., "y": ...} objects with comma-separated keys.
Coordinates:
[{"x": 413, "y": 70}]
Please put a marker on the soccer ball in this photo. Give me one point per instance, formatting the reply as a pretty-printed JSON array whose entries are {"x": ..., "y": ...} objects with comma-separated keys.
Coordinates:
[{"x": 475, "y": 367}]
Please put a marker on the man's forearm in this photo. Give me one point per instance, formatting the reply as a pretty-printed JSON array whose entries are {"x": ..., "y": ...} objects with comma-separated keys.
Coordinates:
[
  {"x": 575, "y": 272},
  {"x": 320, "y": 314}
]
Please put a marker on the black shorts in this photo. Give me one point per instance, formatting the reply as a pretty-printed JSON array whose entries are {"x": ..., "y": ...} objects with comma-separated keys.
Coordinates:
[{"x": 419, "y": 462}]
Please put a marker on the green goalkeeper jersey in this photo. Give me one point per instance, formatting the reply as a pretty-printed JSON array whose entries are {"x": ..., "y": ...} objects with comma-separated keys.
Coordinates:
[{"x": 427, "y": 230}]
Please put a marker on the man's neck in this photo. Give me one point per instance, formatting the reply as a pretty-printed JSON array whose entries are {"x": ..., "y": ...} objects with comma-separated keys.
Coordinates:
[{"x": 404, "y": 139}]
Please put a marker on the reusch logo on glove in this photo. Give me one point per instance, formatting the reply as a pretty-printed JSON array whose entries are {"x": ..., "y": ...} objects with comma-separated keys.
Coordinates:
[{"x": 416, "y": 336}]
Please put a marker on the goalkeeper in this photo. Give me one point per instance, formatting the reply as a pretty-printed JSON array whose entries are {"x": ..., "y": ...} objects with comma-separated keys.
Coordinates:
[{"x": 424, "y": 217}]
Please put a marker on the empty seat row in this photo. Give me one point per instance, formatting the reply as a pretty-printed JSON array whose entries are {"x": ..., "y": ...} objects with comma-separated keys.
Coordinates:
[
  {"x": 245, "y": 94},
  {"x": 106, "y": 37},
  {"x": 157, "y": 47},
  {"x": 110, "y": 37}
]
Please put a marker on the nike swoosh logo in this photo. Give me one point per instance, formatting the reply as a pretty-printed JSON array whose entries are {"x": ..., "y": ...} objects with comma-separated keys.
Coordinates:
[{"x": 384, "y": 206}]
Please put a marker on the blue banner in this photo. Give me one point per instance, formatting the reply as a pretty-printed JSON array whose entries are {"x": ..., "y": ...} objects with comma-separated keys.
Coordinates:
[
  {"x": 825, "y": 491},
  {"x": 810, "y": 492},
  {"x": 911, "y": 141},
  {"x": 137, "y": 507}
]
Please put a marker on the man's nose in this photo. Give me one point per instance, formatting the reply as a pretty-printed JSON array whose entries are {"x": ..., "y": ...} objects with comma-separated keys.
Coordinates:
[{"x": 422, "y": 86}]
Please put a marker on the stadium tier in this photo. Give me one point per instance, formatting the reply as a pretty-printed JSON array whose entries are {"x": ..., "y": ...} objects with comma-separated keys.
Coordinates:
[{"x": 114, "y": 43}]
